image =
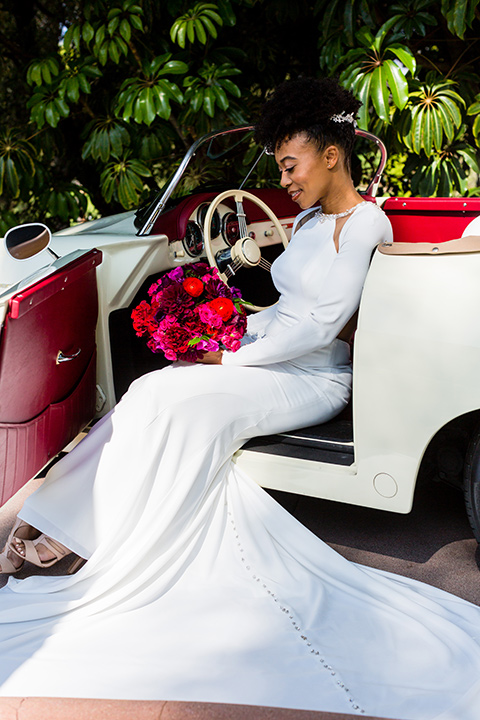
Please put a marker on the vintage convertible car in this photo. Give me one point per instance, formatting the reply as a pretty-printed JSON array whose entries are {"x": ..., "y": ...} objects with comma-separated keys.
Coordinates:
[{"x": 68, "y": 351}]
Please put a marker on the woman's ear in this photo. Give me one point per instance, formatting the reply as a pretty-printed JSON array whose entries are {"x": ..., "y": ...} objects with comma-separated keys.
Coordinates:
[{"x": 331, "y": 156}]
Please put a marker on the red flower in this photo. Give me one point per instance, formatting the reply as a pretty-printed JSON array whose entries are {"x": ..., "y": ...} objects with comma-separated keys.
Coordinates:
[
  {"x": 223, "y": 306},
  {"x": 193, "y": 286},
  {"x": 172, "y": 339},
  {"x": 143, "y": 317}
]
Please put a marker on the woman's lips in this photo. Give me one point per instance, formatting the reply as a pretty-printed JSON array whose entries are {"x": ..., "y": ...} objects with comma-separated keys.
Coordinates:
[{"x": 295, "y": 195}]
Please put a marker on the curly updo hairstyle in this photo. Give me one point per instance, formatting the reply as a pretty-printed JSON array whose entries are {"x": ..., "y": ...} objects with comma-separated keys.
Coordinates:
[{"x": 306, "y": 105}]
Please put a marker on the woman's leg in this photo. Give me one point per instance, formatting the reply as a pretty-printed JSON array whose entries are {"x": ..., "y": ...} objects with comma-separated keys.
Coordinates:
[{"x": 166, "y": 441}]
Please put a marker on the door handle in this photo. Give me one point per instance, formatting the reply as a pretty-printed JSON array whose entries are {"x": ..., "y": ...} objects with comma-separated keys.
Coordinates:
[{"x": 62, "y": 357}]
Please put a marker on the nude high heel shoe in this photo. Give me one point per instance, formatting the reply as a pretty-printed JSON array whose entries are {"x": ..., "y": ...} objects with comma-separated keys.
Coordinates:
[
  {"x": 6, "y": 565},
  {"x": 58, "y": 550}
]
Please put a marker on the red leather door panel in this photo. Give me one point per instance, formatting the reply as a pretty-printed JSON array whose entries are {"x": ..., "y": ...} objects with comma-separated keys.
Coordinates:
[{"x": 43, "y": 403}]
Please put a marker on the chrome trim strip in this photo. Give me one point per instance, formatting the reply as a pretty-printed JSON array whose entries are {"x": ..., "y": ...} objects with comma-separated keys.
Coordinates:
[{"x": 309, "y": 438}]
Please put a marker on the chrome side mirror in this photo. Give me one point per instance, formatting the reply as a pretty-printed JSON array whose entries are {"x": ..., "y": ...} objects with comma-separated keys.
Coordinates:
[{"x": 24, "y": 241}]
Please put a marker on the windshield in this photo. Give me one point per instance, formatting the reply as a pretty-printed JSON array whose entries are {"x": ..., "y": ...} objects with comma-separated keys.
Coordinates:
[{"x": 219, "y": 161}]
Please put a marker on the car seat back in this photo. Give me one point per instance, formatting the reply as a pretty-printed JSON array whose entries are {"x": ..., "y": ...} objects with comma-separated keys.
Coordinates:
[{"x": 433, "y": 220}]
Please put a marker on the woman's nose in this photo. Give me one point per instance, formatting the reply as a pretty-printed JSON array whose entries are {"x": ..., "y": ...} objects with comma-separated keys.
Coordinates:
[{"x": 284, "y": 180}]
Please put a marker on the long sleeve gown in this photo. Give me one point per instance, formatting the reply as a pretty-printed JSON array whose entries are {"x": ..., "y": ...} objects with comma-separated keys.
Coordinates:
[{"x": 198, "y": 585}]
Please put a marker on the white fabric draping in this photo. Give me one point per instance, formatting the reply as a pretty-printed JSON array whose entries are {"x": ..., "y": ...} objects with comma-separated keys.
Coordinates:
[{"x": 200, "y": 586}]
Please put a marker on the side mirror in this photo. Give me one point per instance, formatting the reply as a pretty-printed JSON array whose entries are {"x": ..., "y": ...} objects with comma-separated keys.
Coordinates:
[{"x": 24, "y": 241}]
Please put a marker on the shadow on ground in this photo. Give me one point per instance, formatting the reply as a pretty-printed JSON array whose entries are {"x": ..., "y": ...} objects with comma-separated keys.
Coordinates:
[{"x": 433, "y": 543}]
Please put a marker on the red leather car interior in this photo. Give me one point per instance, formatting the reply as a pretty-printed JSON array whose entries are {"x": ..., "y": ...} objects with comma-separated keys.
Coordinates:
[
  {"x": 433, "y": 220},
  {"x": 173, "y": 223}
]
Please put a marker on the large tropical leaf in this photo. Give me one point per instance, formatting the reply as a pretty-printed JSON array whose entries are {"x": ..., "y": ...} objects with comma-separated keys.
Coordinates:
[
  {"x": 459, "y": 15},
  {"x": 122, "y": 180},
  {"x": 211, "y": 88},
  {"x": 474, "y": 109},
  {"x": 144, "y": 98},
  {"x": 17, "y": 161},
  {"x": 436, "y": 111},
  {"x": 198, "y": 23},
  {"x": 443, "y": 173},
  {"x": 108, "y": 137},
  {"x": 414, "y": 17},
  {"x": 377, "y": 73},
  {"x": 65, "y": 201}
]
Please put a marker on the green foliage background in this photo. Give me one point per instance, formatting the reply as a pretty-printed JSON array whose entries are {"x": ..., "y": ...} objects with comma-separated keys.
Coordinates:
[{"x": 100, "y": 98}]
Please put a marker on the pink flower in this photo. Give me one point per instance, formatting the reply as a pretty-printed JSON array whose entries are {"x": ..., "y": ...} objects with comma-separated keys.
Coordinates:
[
  {"x": 231, "y": 344},
  {"x": 208, "y": 345},
  {"x": 176, "y": 274},
  {"x": 208, "y": 316},
  {"x": 231, "y": 338}
]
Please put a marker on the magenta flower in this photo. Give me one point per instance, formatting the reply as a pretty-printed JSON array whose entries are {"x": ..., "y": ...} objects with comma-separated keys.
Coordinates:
[
  {"x": 209, "y": 316},
  {"x": 208, "y": 345}
]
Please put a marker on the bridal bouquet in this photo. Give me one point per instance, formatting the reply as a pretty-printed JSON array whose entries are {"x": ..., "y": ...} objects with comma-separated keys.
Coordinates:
[{"x": 191, "y": 311}]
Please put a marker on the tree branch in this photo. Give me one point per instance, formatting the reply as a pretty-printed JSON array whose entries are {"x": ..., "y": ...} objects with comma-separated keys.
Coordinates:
[
  {"x": 135, "y": 54},
  {"x": 178, "y": 130}
]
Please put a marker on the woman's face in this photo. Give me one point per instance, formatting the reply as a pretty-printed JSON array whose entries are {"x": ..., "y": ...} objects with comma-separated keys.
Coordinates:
[{"x": 305, "y": 172}]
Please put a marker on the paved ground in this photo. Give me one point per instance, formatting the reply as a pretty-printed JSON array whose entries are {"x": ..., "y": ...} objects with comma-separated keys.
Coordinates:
[
  {"x": 54, "y": 709},
  {"x": 433, "y": 543}
]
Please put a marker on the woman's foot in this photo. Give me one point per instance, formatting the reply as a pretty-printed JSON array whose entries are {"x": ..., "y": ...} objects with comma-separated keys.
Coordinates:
[
  {"x": 26, "y": 543},
  {"x": 41, "y": 551},
  {"x": 10, "y": 560},
  {"x": 22, "y": 531}
]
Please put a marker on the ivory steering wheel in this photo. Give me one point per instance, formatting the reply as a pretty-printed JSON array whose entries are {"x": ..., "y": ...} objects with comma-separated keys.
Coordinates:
[{"x": 246, "y": 252}]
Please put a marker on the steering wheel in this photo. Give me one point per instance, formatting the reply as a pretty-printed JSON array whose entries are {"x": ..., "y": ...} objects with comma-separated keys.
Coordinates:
[{"x": 246, "y": 252}]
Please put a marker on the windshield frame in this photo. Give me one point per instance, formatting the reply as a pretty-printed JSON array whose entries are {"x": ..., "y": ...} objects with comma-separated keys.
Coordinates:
[{"x": 166, "y": 193}]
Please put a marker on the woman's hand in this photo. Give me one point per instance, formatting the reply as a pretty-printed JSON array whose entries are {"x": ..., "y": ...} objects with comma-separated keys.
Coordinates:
[{"x": 212, "y": 357}]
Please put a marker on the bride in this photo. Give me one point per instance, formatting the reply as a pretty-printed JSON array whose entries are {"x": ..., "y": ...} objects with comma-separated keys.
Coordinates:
[{"x": 198, "y": 585}]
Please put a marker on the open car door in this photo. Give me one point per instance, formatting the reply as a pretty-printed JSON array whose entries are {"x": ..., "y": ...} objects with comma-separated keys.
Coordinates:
[{"x": 47, "y": 366}]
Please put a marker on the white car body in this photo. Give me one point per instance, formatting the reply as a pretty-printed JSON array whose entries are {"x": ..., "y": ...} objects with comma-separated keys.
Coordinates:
[{"x": 416, "y": 351}]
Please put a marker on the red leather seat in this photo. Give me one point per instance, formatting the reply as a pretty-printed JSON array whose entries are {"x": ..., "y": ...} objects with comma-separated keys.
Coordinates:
[
  {"x": 45, "y": 402},
  {"x": 430, "y": 219}
]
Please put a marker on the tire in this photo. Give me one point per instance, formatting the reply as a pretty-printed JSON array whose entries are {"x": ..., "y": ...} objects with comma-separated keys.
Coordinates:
[{"x": 471, "y": 483}]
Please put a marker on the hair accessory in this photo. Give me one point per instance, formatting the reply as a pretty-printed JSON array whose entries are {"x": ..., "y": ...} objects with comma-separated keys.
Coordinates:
[{"x": 344, "y": 117}]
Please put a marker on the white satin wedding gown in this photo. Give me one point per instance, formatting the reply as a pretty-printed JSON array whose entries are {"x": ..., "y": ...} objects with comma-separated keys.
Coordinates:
[{"x": 198, "y": 585}]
